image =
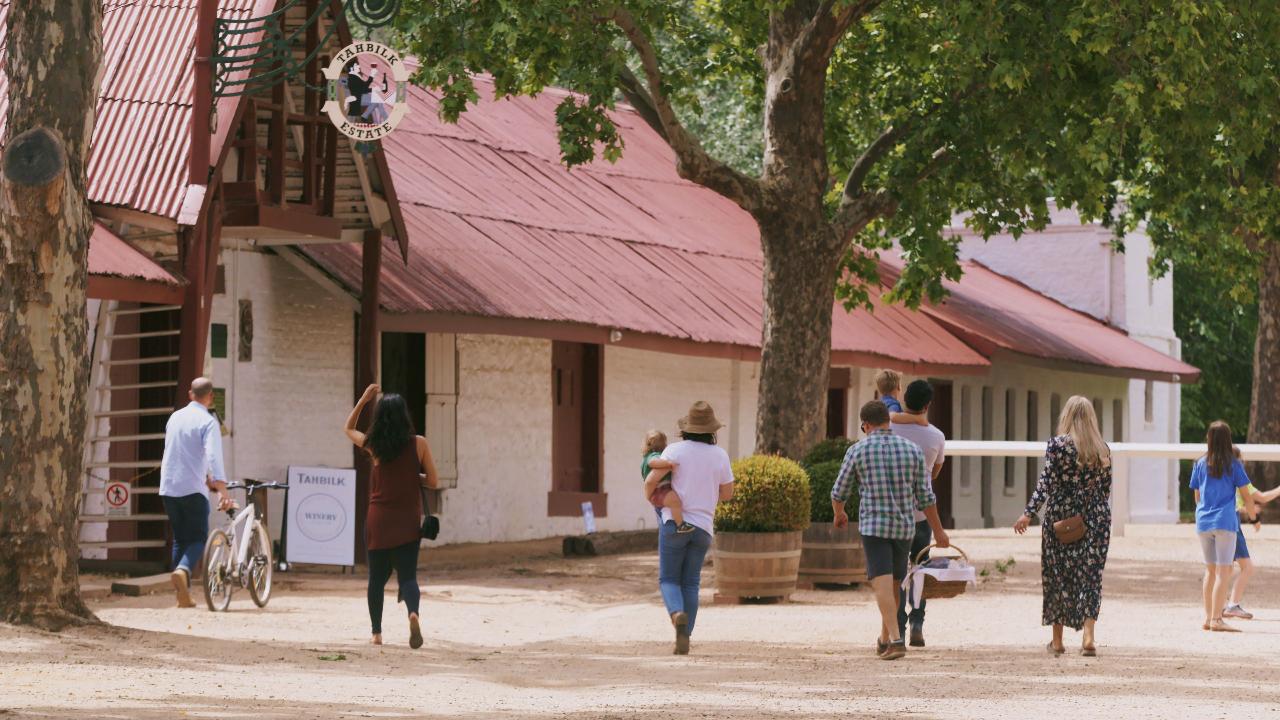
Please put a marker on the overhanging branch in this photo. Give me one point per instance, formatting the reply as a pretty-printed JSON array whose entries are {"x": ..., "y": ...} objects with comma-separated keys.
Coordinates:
[{"x": 694, "y": 163}]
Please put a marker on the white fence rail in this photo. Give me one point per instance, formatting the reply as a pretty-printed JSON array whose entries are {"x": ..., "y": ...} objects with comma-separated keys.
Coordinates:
[{"x": 1121, "y": 453}]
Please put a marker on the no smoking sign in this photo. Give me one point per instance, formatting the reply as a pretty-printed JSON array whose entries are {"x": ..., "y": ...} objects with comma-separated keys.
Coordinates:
[{"x": 117, "y": 498}]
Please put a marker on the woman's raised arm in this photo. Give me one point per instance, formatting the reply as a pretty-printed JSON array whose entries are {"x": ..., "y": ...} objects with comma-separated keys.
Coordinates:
[{"x": 355, "y": 436}]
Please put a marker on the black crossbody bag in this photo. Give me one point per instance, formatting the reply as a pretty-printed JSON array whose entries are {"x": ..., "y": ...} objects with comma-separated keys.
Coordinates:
[{"x": 430, "y": 523}]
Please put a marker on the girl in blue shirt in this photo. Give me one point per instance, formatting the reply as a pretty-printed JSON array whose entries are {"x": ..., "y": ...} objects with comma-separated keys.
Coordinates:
[{"x": 1216, "y": 479}]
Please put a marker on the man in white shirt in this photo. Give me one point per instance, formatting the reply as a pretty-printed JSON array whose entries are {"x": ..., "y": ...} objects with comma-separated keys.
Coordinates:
[
  {"x": 916, "y": 400},
  {"x": 192, "y": 465}
]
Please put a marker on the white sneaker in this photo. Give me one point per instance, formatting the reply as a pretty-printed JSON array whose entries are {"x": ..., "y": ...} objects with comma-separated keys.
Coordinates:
[{"x": 1235, "y": 611}]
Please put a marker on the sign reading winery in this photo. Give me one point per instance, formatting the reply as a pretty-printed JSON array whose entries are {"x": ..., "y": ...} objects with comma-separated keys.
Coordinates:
[
  {"x": 368, "y": 91},
  {"x": 321, "y": 515}
]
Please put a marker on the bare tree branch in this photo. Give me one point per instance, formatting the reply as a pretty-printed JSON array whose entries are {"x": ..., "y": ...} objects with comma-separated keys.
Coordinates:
[
  {"x": 693, "y": 162},
  {"x": 818, "y": 34},
  {"x": 857, "y": 214},
  {"x": 876, "y": 150},
  {"x": 636, "y": 94}
]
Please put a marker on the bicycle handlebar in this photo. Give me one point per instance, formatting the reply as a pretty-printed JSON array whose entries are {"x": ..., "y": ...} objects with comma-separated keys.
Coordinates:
[{"x": 252, "y": 485}]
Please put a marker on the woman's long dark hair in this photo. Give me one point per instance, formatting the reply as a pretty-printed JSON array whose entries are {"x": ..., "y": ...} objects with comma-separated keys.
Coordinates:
[
  {"x": 392, "y": 429},
  {"x": 1221, "y": 450}
]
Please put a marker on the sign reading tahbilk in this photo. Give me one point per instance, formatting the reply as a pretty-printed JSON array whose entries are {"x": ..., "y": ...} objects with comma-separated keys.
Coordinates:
[
  {"x": 368, "y": 91},
  {"x": 321, "y": 515}
]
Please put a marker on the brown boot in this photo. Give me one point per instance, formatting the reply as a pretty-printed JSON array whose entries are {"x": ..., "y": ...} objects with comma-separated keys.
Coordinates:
[{"x": 180, "y": 579}]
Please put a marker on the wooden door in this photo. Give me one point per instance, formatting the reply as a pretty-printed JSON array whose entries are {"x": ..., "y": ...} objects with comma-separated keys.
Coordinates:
[
  {"x": 575, "y": 417},
  {"x": 940, "y": 417},
  {"x": 404, "y": 371}
]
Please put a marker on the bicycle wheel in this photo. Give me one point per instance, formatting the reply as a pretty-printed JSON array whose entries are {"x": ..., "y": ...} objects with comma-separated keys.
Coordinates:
[
  {"x": 259, "y": 565},
  {"x": 217, "y": 571}
]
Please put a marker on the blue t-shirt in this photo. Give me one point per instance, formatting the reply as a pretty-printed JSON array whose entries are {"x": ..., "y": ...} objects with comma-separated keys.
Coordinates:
[
  {"x": 891, "y": 403},
  {"x": 1217, "y": 507}
]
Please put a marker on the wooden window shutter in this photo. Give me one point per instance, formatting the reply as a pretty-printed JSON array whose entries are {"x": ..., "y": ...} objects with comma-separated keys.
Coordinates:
[{"x": 442, "y": 405}]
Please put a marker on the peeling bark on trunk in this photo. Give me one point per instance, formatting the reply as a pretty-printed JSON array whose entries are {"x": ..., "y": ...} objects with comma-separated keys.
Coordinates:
[
  {"x": 799, "y": 292},
  {"x": 53, "y": 54},
  {"x": 1264, "y": 408}
]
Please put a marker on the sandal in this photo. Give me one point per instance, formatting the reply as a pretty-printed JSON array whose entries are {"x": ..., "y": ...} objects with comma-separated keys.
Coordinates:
[
  {"x": 1219, "y": 626},
  {"x": 1089, "y": 651},
  {"x": 1053, "y": 650},
  {"x": 415, "y": 632}
]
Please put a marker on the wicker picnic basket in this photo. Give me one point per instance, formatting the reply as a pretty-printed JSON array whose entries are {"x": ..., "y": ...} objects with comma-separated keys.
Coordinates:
[{"x": 934, "y": 588}]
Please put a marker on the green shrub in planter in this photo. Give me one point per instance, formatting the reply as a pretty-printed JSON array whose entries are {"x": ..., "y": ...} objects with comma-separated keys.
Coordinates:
[
  {"x": 833, "y": 449},
  {"x": 822, "y": 477},
  {"x": 770, "y": 494}
]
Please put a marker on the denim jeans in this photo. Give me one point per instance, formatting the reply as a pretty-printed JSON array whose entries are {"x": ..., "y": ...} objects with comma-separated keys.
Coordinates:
[
  {"x": 680, "y": 558},
  {"x": 189, "y": 519},
  {"x": 924, "y": 536}
]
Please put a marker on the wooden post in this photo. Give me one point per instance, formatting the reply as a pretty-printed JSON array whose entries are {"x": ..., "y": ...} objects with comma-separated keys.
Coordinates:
[
  {"x": 202, "y": 92},
  {"x": 191, "y": 339},
  {"x": 200, "y": 265},
  {"x": 366, "y": 368},
  {"x": 311, "y": 108}
]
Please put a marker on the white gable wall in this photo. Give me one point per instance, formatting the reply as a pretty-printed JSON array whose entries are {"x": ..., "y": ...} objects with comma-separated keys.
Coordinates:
[{"x": 1077, "y": 265}]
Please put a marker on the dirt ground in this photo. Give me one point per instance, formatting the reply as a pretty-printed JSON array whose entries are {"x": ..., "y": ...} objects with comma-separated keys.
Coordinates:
[{"x": 587, "y": 638}]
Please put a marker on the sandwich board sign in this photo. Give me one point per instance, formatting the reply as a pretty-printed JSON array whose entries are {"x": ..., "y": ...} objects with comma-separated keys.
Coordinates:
[{"x": 321, "y": 516}]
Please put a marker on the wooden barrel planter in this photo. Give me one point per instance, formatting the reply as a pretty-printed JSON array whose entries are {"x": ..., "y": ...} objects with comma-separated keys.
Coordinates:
[
  {"x": 757, "y": 565},
  {"x": 832, "y": 556}
]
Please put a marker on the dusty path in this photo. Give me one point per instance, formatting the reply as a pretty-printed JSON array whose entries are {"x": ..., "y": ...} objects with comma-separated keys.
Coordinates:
[{"x": 586, "y": 639}]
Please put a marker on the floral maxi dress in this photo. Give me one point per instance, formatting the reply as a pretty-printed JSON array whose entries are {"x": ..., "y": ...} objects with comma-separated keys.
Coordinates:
[{"x": 1072, "y": 574}]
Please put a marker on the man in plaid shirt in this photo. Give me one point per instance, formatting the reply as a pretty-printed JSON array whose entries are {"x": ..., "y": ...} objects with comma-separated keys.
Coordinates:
[{"x": 892, "y": 482}]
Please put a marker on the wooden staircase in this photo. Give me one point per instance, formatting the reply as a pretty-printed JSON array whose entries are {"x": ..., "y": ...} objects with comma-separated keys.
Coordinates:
[{"x": 133, "y": 384}]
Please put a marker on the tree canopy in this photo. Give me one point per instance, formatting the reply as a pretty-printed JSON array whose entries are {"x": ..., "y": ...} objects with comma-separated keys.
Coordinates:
[
  {"x": 980, "y": 107},
  {"x": 877, "y": 121}
]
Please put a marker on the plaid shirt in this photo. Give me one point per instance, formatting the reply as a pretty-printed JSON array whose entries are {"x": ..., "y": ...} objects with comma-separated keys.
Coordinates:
[{"x": 891, "y": 477}]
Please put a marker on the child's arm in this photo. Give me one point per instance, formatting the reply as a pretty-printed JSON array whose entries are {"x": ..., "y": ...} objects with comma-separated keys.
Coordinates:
[
  {"x": 651, "y": 481},
  {"x": 904, "y": 418},
  {"x": 660, "y": 464},
  {"x": 1263, "y": 497},
  {"x": 1251, "y": 510}
]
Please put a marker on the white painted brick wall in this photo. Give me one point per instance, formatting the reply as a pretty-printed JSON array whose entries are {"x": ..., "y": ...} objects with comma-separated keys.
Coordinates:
[{"x": 287, "y": 405}]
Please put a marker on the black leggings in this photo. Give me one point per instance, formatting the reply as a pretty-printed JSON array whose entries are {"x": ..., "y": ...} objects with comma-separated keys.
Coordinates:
[{"x": 404, "y": 560}]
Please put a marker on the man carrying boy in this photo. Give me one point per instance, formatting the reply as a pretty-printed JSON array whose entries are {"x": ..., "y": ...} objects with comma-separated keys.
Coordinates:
[
  {"x": 892, "y": 482},
  {"x": 918, "y": 396}
]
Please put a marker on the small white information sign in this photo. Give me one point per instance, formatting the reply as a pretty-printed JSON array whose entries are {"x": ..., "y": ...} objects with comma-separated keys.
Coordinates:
[
  {"x": 321, "y": 516},
  {"x": 589, "y": 517},
  {"x": 117, "y": 503}
]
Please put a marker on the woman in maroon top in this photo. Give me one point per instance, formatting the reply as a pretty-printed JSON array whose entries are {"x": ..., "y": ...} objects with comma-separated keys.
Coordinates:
[{"x": 402, "y": 464}]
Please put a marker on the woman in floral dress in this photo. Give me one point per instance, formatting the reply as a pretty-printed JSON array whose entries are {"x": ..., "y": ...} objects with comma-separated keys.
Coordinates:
[{"x": 1076, "y": 480}]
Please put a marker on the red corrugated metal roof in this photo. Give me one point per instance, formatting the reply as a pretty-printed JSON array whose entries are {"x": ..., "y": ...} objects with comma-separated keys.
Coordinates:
[
  {"x": 993, "y": 312},
  {"x": 140, "y": 138},
  {"x": 499, "y": 228},
  {"x": 109, "y": 256}
]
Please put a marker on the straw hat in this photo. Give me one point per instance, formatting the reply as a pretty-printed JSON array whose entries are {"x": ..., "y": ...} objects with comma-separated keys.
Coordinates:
[{"x": 701, "y": 420}]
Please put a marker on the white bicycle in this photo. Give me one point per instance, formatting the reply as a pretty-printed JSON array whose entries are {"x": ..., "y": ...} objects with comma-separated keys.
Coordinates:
[{"x": 241, "y": 554}]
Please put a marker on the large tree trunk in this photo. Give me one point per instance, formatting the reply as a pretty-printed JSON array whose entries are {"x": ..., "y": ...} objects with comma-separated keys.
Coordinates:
[
  {"x": 52, "y": 65},
  {"x": 1264, "y": 408},
  {"x": 799, "y": 292},
  {"x": 801, "y": 247}
]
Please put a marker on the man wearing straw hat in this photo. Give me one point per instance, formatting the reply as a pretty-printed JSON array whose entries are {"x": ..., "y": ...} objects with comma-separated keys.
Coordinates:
[
  {"x": 892, "y": 483},
  {"x": 702, "y": 477}
]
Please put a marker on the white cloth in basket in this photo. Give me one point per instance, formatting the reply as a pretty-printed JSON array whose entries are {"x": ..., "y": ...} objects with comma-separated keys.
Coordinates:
[{"x": 941, "y": 569}]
